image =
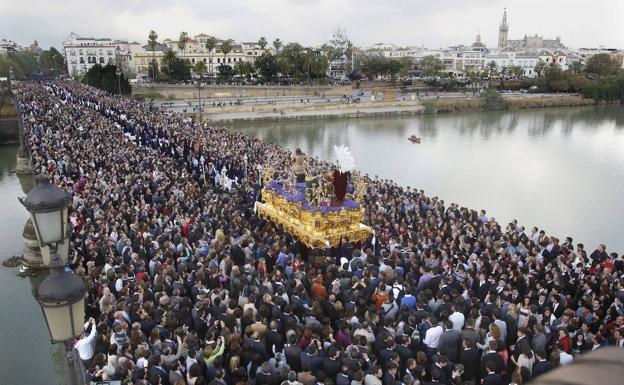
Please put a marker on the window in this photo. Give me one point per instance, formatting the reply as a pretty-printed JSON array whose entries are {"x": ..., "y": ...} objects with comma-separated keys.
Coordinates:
[
  {"x": 80, "y": 52},
  {"x": 102, "y": 59},
  {"x": 142, "y": 61},
  {"x": 218, "y": 60},
  {"x": 229, "y": 60},
  {"x": 81, "y": 60},
  {"x": 193, "y": 60}
]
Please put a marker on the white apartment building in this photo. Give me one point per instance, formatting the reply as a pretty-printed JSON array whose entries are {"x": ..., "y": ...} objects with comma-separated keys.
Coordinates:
[
  {"x": 195, "y": 51},
  {"x": 82, "y": 53},
  {"x": 9, "y": 46}
]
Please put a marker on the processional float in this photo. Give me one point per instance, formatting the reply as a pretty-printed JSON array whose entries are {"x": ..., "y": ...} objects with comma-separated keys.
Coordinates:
[{"x": 322, "y": 210}]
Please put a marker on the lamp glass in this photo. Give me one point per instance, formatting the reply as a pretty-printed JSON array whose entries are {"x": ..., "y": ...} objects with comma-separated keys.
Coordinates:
[
  {"x": 65, "y": 321},
  {"x": 50, "y": 225}
]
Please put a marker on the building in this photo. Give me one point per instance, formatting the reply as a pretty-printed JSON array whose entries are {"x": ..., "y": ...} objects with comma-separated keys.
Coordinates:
[
  {"x": 9, "y": 46},
  {"x": 534, "y": 42},
  {"x": 143, "y": 55},
  {"x": 82, "y": 53},
  {"x": 195, "y": 51},
  {"x": 340, "y": 66}
]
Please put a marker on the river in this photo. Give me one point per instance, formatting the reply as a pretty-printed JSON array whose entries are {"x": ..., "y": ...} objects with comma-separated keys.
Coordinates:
[
  {"x": 27, "y": 356},
  {"x": 558, "y": 169}
]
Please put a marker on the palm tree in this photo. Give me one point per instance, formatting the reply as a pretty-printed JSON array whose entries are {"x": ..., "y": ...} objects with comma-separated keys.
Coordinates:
[
  {"x": 170, "y": 57},
  {"x": 200, "y": 67},
  {"x": 226, "y": 48},
  {"x": 184, "y": 38},
  {"x": 539, "y": 68},
  {"x": 151, "y": 42},
  {"x": 263, "y": 43},
  {"x": 277, "y": 43},
  {"x": 491, "y": 67},
  {"x": 211, "y": 43}
]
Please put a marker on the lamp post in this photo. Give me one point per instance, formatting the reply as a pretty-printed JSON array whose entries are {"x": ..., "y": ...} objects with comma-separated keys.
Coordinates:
[
  {"x": 118, "y": 72},
  {"x": 61, "y": 294},
  {"x": 199, "y": 98}
]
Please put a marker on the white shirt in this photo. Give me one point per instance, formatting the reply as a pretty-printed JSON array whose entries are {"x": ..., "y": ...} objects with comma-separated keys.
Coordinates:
[
  {"x": 85, "y": 345},
  {"x": 457, "y": 318},
  {"x": 432, "y": 337},
  {"x": 565, "y": 358}
]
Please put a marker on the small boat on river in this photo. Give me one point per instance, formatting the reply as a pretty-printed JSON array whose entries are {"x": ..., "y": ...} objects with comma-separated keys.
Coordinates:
[{"x": 414, "y": 139}]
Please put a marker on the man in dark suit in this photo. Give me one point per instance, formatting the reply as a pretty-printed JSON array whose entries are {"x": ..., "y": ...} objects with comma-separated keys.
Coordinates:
[
  {"x": 542, "y": 365},
  {"x": 469, "y": 357},
  {"x": 256, "y": 345},
  {"x": 274, "y": 339},
  {"x": 481, "y": 287},
  {"x": 492, "y": 356},
  {"x": 492, "y": 378},
  {"x": 292, "y": 352},
  {"x": 557, "y": 307},
  {"x": 450, "y": 340},
  {"x": 156, "y": 370}
]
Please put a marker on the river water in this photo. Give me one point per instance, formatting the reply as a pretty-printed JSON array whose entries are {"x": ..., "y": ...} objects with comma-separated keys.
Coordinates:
[
  {"x": 558, "y": 169},
  {"x": 26, "y": 356}
]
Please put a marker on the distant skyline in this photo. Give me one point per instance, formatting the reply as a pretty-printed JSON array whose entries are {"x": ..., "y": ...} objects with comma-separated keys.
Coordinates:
[{"x": 429, "y": 23}]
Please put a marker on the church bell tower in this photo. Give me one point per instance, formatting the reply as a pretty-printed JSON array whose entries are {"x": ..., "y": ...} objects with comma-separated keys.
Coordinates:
[{"x": 502, "y": 31}]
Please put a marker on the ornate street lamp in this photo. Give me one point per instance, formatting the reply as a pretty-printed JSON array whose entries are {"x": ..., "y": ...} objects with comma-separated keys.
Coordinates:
[
  {"x": 61, "y": 294},
  {"x": 47, "y": 206}
]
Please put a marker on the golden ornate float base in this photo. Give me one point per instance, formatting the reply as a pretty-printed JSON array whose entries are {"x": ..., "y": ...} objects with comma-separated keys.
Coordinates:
[{"x": 316, "y": 229}]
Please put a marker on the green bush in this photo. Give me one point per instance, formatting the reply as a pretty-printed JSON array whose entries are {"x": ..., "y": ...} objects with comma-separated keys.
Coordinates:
[{"x": 492, "y": 100}]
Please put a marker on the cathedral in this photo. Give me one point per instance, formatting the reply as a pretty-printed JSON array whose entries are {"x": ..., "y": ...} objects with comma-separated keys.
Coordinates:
[{"x": 535, "y": 42}]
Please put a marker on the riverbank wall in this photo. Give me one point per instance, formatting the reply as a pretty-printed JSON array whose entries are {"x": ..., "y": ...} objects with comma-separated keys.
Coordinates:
[
  {"x": 8, "y": 118},
  {"x": 513, "y": 103},
  {"x": 249, "y": 114}
]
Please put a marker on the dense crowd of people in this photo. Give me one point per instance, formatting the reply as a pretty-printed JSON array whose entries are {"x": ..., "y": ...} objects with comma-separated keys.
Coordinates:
[{"x": 187, "y": 286}]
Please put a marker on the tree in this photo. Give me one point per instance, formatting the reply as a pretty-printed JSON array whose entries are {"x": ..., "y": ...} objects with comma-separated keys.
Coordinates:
[
  {"x": 277, "y": 44},
  {"x": 555, "y": 79},
  {"x": 517, "y": 71},
  {"x": 225, "y": 72},
  {"x": 175, "y": 68},
  {"x": 226, "y": 48},
  {"x": 431, "y": 66},
  {"x": 539, "y": 68},
  {"x": 406, "y": 65},
  {"x": 244, "y": 69},
  {"x": 182, "y": 41},
  {"x": 169, "y": 58},
  {"x": 267, "y": 66},
  {"x": 52, "y": 62},
  {"x": 576, "y": 67},
  {"x": 492, "y": 100},
  {"x": 211, "y": 43},
  {"x": 200, "y": 67},
  {"x": 602, "y": 65},
  {"x": 106, "y": 78},
  {"x": 263, "y": 43},
  {"x": 491, "y": 68},
  {"x": 151, "y": 42}
]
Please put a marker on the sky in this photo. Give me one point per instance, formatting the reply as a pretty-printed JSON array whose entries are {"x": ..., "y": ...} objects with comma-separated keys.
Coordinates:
[{"x": 429, "y": 23}]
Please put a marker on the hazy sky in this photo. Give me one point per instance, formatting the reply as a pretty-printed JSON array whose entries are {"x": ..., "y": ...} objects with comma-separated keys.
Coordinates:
[{"x": 432, "y": 23}]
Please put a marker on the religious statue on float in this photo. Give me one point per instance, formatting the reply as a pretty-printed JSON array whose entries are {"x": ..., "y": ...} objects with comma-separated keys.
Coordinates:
[
  {"x": 298, "y": 167},
  {"x": 345, "y": 164}
]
